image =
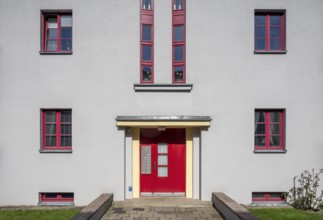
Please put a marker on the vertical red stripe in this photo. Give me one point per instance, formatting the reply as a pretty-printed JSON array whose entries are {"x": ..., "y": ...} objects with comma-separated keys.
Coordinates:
[
  {"x": 43, "y": 35},
  {"x": 43, "y": 130},
  {"x": 267, "y": 32},
  {"x": 58, "y": 129},
  {"x": 282, "y": 129},
  {"x": 58, "y": 33},
  {"x": 267, "y": 125},
  {"x": 282, "y": 25}
]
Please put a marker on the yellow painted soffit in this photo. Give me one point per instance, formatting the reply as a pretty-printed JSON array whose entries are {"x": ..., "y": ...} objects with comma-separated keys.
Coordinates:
[{"x": 163, "y": 123}]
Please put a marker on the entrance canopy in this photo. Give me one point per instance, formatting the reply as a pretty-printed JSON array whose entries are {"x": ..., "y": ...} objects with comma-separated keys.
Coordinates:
[{"x": 163, "y": 121}]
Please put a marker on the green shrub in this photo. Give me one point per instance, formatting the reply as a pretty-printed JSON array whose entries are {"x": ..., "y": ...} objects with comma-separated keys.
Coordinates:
[{"x": 304, "y": 196}]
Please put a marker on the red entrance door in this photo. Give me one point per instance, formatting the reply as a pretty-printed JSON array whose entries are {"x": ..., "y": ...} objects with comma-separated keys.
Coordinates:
[{"x": 162, "y": 156}]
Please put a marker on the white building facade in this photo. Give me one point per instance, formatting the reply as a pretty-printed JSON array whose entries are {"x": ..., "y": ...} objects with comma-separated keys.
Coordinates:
[{"x": 158, "y": 98}]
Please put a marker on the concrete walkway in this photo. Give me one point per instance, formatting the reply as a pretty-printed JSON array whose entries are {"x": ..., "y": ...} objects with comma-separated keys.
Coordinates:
[{"x": 161, "y": 208}]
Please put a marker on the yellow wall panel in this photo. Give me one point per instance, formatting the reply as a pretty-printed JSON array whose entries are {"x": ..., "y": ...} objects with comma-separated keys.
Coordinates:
[
  {"x": 135, "y": 163},
  {"x": 189, "y": 163}
]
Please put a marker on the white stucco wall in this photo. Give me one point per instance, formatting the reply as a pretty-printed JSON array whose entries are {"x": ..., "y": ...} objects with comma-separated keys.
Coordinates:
[{"x": 96, "y": 82}]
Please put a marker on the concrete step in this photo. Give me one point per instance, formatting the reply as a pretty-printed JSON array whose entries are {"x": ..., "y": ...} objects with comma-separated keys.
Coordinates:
[
  {"x": 165, "y": 208},
  {"x": 164, "y": 201}
]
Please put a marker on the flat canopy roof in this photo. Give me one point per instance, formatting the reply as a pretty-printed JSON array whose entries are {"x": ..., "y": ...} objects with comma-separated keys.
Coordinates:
[{"x": 167, "y": 121}]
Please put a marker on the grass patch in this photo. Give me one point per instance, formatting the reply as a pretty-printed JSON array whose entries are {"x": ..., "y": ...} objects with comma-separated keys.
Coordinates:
[
  {"x": 57, "y": 214},
  {"x": 285, "y": 213}
]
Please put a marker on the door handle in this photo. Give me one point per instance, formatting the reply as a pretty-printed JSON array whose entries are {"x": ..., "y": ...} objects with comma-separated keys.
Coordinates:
[{"x": 154, "y": 165}]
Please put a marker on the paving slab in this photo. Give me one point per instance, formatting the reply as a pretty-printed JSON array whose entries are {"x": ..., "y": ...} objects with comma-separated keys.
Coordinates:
[{"x": 161, "y": 208}]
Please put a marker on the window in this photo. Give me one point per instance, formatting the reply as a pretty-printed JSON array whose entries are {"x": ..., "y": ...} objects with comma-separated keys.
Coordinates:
[
  {"x": 268, "y": 197},
  {"x": 57, "y": 32},
  {"x": 178, "y": 33},
  {"x": 178, "y": 75},
  {"x": 147, "y": 42},
  {"x": 48, "y": 198},
  {"x": 178, "y": 4},
  {"x": 56, "y": 130},
  {"x": 146, "y": 4},
  {"x": 162, "y": 160},
  {"x": 146, "y": 53},
  {"x": 269, "y": 31},
  {"x": 269, "y": 130}
]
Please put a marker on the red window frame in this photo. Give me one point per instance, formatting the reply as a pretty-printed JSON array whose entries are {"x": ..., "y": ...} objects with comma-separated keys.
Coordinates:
[
  {"x": 268, "y": 132},
  {"x": 268, "y": 197},
  {"x": 58, "y": 134},
  {"x": 58, "y": 197},
  {"x": 268, "y": 26},
  {"x": 57, "y": 15},
  {"x": 146, "y": 19},
  {"x": 179, "y": 19}
]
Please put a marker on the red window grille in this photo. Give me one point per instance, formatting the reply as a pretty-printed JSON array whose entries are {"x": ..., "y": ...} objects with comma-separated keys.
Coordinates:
[
  {"x": 270, "y": 31},
  {"x": 268, "y": 197},
  {"x": 56, "y": 129},
  {"x": 178, "y": 36},
  {"x": 147, "y": 41},
  {"x": 56, "y": 197},
  {"x": 269, "y": 129},
  {"x": 57, "y": 32}
]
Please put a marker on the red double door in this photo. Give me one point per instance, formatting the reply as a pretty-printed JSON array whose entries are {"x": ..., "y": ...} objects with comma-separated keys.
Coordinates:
[{"x": 162, "y": 161}]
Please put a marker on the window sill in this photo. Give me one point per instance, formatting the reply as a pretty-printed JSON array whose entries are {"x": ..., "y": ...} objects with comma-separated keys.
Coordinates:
[
  {"x": 163, "y": 87},
  {"x": 268, "y": 203},
  {"x": 270, "y": 151},
  {"x": 56, "y": 204},
  {"x": 55, "y": 151},
  {"x": 270, "y": 52},
  {"x": 55, "y": 53}
]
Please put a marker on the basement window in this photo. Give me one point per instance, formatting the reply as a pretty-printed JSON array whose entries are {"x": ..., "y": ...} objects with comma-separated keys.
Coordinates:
[
  {"x": 268, "y": 197},
  {"x": 56, "y": 199}
]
